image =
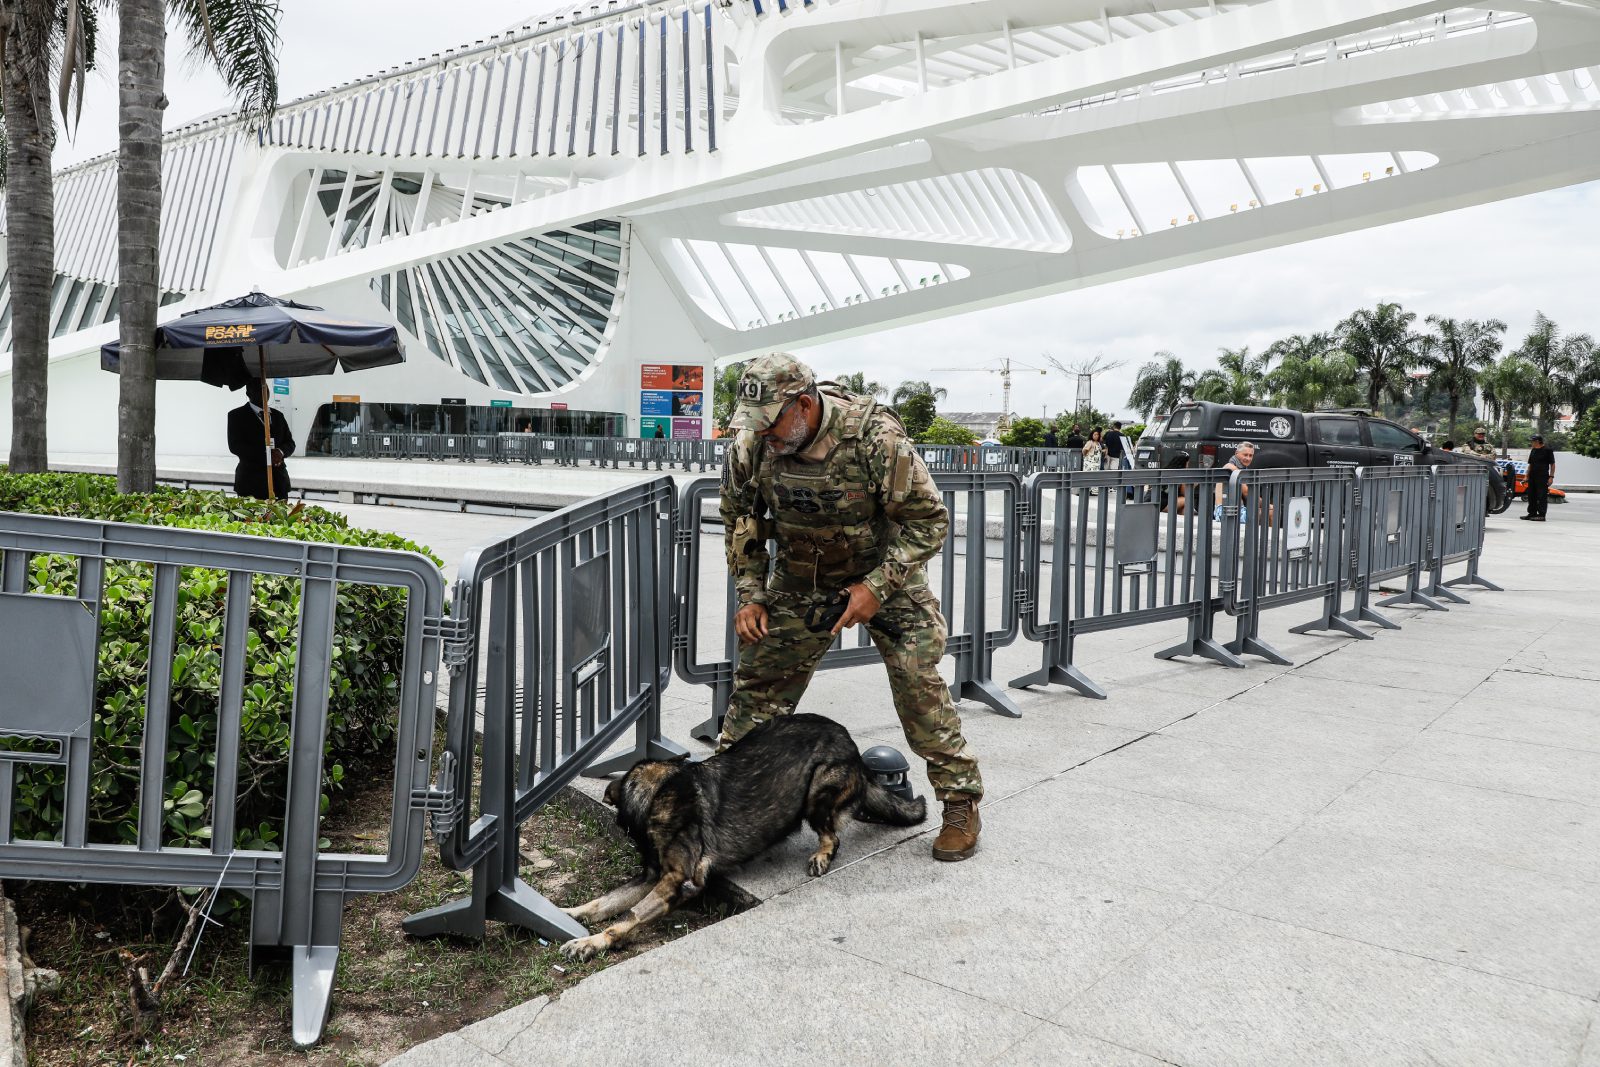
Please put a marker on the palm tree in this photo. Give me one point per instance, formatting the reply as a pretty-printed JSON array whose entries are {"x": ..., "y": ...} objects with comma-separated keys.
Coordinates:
[
  {"x": 857, "y": 383},
  {"x": 241, "y": 38},
  {"x": 1583, "y": 384},
  {"x": 1545, "y": 351},
  {"x": 1383, "y": 347},
  {"x": 1241, "y": 379},
  {"x": 725, "y": 393},
  {"x": 906, "y": 390},
  {"x": 1161, "y": 385},
  {"x": 35, "y": 38},
  {"x": 1454, "y": 353},
  {"x": 1311, "y": 373},
  {"x": 1509, "y": 386}
]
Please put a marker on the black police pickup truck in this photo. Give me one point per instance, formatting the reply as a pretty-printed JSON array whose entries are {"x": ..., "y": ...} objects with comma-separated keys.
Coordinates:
[{"x": 1203, "y": 434}]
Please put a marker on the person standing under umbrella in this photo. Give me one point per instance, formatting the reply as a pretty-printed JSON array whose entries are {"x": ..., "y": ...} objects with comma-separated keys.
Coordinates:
[{"x": 244, "y": 440}]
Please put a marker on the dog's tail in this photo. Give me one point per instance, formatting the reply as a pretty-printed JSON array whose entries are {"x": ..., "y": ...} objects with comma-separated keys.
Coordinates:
[{"x": 879, "y": 805}]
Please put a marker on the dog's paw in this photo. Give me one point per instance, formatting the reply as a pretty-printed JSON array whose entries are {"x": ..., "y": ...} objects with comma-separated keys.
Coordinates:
[
  {"x": 578, "y": 914},
  {"x": 584, "y": 948},
  {"x": 818, "y": 865}
]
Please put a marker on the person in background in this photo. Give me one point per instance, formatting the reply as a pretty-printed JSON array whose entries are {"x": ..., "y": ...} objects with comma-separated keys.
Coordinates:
[
  {"x": 247, "y": 440},
  {"x": 1243, "y": 455},
  {"x": 1479, "y": 444},
  {"x": 1075, "y": 438},
  {"x": 1094, "y": 454},
  {"x": 1117, "y": 448},
  {"x": 1448, "y": 446},
  {"x": 1050, "y": 439},
  {"x": 660, "y": 431},
  {"x": 1541, "y": 472}
]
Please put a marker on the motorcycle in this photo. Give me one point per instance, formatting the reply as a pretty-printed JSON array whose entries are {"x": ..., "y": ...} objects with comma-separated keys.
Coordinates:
[{"x": 1515, "y": 473}]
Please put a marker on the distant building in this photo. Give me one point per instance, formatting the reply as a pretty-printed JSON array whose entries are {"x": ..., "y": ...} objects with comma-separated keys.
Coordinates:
[{"x": 982, "y": 423}]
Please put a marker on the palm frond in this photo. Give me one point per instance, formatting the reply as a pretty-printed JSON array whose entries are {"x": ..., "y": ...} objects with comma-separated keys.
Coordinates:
[{"x": 239, "y": 37}]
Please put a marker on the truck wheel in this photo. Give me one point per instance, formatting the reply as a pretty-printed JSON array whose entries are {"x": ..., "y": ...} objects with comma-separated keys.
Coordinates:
[{"x": 1505, "y": 503}]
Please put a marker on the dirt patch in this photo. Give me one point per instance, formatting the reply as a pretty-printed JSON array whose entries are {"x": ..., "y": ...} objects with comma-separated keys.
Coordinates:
[{"x": 391, "y": 991}]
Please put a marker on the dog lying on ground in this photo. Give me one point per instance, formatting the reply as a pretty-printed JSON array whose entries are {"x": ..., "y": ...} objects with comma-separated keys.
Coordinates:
[{"x": 690, "y": 820}]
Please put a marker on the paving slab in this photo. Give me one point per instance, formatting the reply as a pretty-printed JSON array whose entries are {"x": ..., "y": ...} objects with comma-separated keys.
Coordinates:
[
  {"x": 1513, "y": 766},
  {"x": 1222, "y": 776},
  {"x": 1429, "y": 676},
  {"x": 1222, "y": 988},
  {"x": 1556, "y": 837},
  {"x": 1009, "y": 930},
  {"x": 1276, "y": 727},
  {"x": 1172, "y": 846},
  {"x": 1530, "y": 707},
  {"x": 1055, "y": 1046},
  {"x": 1360, "y": 697},
  {"x": 1527, "y": 925},
  {"x": 751, "y": 991}
]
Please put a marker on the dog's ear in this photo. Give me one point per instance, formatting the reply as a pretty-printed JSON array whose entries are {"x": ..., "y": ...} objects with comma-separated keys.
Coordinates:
[{"x": 613, "y": 794}]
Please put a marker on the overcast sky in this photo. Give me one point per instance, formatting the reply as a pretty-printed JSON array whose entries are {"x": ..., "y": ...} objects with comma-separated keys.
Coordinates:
[{"x": 1502, "y": 260}]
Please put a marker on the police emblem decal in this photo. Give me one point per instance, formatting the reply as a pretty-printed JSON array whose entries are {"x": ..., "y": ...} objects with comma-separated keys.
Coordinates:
[{"x": 1280, "y": 426}]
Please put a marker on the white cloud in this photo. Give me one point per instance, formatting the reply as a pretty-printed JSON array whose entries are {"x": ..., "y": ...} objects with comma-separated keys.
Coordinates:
[{"x": 1502, "y": 260}]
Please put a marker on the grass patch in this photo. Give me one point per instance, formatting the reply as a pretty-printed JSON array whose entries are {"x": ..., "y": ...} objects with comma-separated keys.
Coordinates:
[{"x": 391, "y": 991}]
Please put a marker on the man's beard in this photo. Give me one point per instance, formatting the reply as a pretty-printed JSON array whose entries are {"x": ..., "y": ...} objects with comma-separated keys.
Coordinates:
[{"x": 788, "y": 444}]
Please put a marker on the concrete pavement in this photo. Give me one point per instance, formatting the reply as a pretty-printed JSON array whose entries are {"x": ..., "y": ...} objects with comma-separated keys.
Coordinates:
[{"x": 1386, "y": 854}]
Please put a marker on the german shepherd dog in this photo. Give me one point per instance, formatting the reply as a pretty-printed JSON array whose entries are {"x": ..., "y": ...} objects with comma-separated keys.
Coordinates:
[{"x": 690, "y": 820}]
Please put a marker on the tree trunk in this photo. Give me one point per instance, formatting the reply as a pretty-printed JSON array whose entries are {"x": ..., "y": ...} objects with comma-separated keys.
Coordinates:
[
  {"x": 30, "y": 254},
  {"x": 1455, "y": 408},
  {"x": 141, "y": 58}
]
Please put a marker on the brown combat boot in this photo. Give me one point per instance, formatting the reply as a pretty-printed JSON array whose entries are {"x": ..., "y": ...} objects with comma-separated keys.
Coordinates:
[{"x": 958, "y": 838}]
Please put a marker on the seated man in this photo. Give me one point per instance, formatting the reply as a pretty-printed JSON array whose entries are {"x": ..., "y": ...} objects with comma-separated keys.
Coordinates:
[{"x": 1242, "y": 457}]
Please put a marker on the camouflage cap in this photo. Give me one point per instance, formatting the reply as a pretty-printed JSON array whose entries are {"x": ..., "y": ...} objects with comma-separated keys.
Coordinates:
[
  {"x": 767, "y": 384},
  {"x": 1480, "y": 429}
]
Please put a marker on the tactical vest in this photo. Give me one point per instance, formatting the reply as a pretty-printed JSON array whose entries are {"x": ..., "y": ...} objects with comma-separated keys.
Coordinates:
[{"x": 827, "y": 520}]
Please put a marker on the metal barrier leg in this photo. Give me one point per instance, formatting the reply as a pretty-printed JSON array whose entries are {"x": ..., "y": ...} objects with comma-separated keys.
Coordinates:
[
  {"x": 711, "y": 729},
  {"x": 1472, "y": 577},
  {"x": 1058, "y": 670},
  {"x": 987, "y": 692},
  {"x": 1198, "y": 644}
]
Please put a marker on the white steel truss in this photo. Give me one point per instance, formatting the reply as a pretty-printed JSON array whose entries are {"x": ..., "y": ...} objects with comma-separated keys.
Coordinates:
[{"x": 719, "y": 179}]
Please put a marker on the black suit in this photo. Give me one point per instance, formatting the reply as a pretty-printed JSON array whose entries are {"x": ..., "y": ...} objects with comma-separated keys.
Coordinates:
[{"x": 245, "y": 440}]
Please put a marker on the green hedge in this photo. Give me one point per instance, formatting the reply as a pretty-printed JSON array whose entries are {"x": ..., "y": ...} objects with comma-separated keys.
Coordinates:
[{"x": 368, "y": 649}]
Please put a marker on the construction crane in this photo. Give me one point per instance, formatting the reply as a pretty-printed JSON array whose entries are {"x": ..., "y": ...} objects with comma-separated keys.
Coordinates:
[
  {"x": 1085, "y": 370},
  {"x": 1005, "y": 369}
]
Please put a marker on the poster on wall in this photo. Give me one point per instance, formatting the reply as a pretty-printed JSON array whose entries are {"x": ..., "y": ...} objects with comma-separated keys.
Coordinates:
[
  {"x": 672, "y": 400},
  {"x": 672, "y": 376}
]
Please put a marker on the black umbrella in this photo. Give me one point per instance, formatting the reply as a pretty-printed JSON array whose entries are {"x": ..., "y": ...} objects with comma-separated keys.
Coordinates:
[{"x": 283, "y": 339}]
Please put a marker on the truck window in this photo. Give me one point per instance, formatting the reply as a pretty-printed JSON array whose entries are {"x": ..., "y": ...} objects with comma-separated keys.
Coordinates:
[
  {"x": 1391, "y": 438},
  {"x": 1339, "y": 431}
]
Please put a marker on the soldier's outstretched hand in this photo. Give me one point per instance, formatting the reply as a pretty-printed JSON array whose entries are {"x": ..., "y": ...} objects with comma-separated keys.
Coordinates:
[
  {"x": 750, "y": 623},
  {"x": 862, "y": 607}
]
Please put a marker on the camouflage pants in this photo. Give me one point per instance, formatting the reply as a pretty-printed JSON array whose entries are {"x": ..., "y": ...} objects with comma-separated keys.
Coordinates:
[{"x": 773, "y": 674}]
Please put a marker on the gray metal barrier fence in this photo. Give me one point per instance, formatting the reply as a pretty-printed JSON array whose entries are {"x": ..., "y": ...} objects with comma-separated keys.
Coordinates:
[
  {"x": 1129, "y": 547},
  {"x": 1285, "y": 540},
  {"x": 1460, "y": 497},
  {"x": 297, "y": 892},
  {"x": 1392, "y": 512},
  {"x": 999, "y": 459},
  {"x": 685, "y": 454},
  {"x": 561, "y": 645},
  {"x": 973, "y": 635}
]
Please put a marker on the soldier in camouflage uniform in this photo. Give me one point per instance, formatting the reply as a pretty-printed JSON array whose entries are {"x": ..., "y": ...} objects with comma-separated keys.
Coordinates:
[
  {"x": 832, "y": 478},
  {"x": 1478, "y": 444}
]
